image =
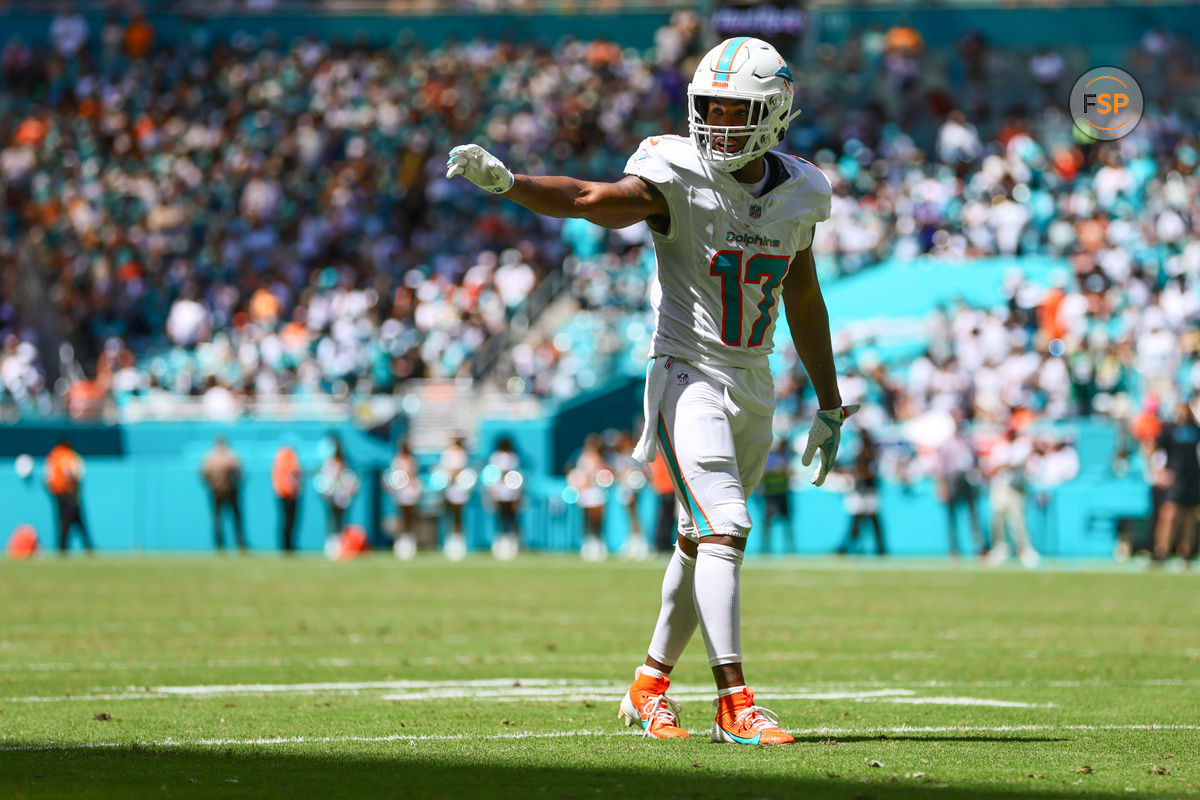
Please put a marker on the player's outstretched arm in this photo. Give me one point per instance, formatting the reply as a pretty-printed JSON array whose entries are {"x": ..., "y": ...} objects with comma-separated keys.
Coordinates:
[
  {"x": 610, "y": 205},
  {"x": 809, "y": 322}
]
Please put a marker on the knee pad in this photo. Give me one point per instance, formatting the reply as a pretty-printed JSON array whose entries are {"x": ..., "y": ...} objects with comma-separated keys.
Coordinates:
[
  {"x": 724, "y": 503},
  {"x": 725, "y": 519},
  {"x": 738, "y": 518}
]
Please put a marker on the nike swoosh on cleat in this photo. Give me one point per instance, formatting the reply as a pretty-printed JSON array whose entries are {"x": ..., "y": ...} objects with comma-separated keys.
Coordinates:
[{"x": 740, "y": 740}]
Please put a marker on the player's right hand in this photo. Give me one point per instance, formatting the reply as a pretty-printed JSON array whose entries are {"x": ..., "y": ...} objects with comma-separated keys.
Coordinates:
[{"x": 479, "y": 167}]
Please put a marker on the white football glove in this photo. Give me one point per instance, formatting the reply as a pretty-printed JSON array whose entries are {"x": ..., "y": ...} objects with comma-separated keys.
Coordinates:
[
  {"x": 479, "y": 167},
  {"x": 824, "y": 436}
]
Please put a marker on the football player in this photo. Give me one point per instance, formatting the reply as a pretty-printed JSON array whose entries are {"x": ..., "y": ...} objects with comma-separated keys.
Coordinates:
[{"x": 733, "y": 228}]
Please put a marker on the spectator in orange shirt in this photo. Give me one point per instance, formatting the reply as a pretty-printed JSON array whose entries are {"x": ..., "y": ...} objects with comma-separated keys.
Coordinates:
[
  {"x": 1049, "y": 314},
  {"x": 665, "y": 525},
  {"x": 264, "y": 306},
  {"x": 285, "y": 480},
  {"x": 138, "y": 37},
  {"x": 904, "y": 39},
  {"x": 1146, "y": 427},
  {"x": 64, "y": 475}
]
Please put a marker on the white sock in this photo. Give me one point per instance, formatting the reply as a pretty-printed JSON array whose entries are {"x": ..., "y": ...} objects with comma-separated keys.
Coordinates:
[
  {"x": 729, "y": 691},
  {"x": 718, "y": 602},
  {"x": 677, "y": 617},
  {"x": 649, "y": 671}
]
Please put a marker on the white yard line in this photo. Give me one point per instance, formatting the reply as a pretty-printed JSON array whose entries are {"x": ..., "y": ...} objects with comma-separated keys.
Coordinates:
[
  {"x": 518, "y": 689},
  {"x": 833, "y": 688},
  {"x": 953, "y": 701},
  {"x": 507, "y": 690},
  {"x": 450, "y": 737},
  {"x": 686, "y": 694},
  {"x": 331, "y": 687}
]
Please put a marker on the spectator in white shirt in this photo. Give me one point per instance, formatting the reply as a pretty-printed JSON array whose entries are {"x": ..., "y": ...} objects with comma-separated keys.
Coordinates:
[
  {"x": 1005, "y": 467},
  {"x": 68, "y": 34}
]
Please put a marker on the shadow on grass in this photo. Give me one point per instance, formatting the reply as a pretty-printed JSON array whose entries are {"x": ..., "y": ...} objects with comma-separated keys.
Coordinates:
[{"x": 135, "y": 772}]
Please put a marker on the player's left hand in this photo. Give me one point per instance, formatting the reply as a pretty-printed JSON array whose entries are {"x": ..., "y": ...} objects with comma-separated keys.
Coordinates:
[
  {"x": 824, "y": 436},
  {"x": 479, "y": 167}
]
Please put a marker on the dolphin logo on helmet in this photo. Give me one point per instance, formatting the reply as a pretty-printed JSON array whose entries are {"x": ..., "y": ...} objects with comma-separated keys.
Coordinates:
[{"x": 747, "y": 69}]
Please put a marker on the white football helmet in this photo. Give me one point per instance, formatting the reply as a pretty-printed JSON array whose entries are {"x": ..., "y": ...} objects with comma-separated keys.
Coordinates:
[{"x": 747, "y": 69}]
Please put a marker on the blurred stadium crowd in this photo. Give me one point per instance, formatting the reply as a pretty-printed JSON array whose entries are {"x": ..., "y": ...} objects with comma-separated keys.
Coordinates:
[{"x": 258, "y": 218}]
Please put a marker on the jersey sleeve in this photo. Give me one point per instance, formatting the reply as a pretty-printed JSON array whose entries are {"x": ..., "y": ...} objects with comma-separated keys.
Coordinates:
[
  {"x": 815, "y": 202},
  {"x": 651, "y": 162},
  {"x": 821, "y": 195}
]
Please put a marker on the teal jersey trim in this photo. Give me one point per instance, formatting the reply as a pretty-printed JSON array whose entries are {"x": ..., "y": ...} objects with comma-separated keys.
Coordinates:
[{"x": 698, "y": 518}]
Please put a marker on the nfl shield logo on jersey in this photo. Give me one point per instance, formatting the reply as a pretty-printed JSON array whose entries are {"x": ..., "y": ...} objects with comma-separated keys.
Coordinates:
[{"x": 755, "y": 211}]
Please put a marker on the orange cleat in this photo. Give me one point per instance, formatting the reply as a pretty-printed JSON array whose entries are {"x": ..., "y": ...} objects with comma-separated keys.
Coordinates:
[
  {"x": 647, "y": 704},
  {"x": 741, "y": 722}
]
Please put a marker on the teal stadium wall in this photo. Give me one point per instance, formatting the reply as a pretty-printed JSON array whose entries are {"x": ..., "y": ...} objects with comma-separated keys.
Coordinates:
[{"x": 143, "y": 492}]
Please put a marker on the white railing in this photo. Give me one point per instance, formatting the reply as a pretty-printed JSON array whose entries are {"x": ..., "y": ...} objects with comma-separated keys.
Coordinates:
[
  {"x": 168, "y": 408},
  {"x": 438, "y": 410},
  {"x": 435, "y": 409}
]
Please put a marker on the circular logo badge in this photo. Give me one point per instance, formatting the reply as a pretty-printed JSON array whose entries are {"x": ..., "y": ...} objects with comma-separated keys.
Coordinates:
[{"x": 1106, "y": 103}]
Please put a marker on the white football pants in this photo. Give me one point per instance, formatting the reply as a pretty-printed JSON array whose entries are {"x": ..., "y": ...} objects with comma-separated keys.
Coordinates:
[{"x": 716, "y": 452}]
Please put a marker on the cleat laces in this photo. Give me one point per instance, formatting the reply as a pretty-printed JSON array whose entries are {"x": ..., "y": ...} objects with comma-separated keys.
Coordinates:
[
  {"x": 756, "y": 717},
  {"x": 659, "y": 710}
]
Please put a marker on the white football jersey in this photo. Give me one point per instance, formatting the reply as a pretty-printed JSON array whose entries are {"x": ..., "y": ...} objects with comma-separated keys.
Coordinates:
[{"x": 721, "y": 264}]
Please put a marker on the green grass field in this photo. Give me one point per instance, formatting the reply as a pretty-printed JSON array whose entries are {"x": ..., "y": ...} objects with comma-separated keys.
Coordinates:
[{"x": 265, "y": 677}]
